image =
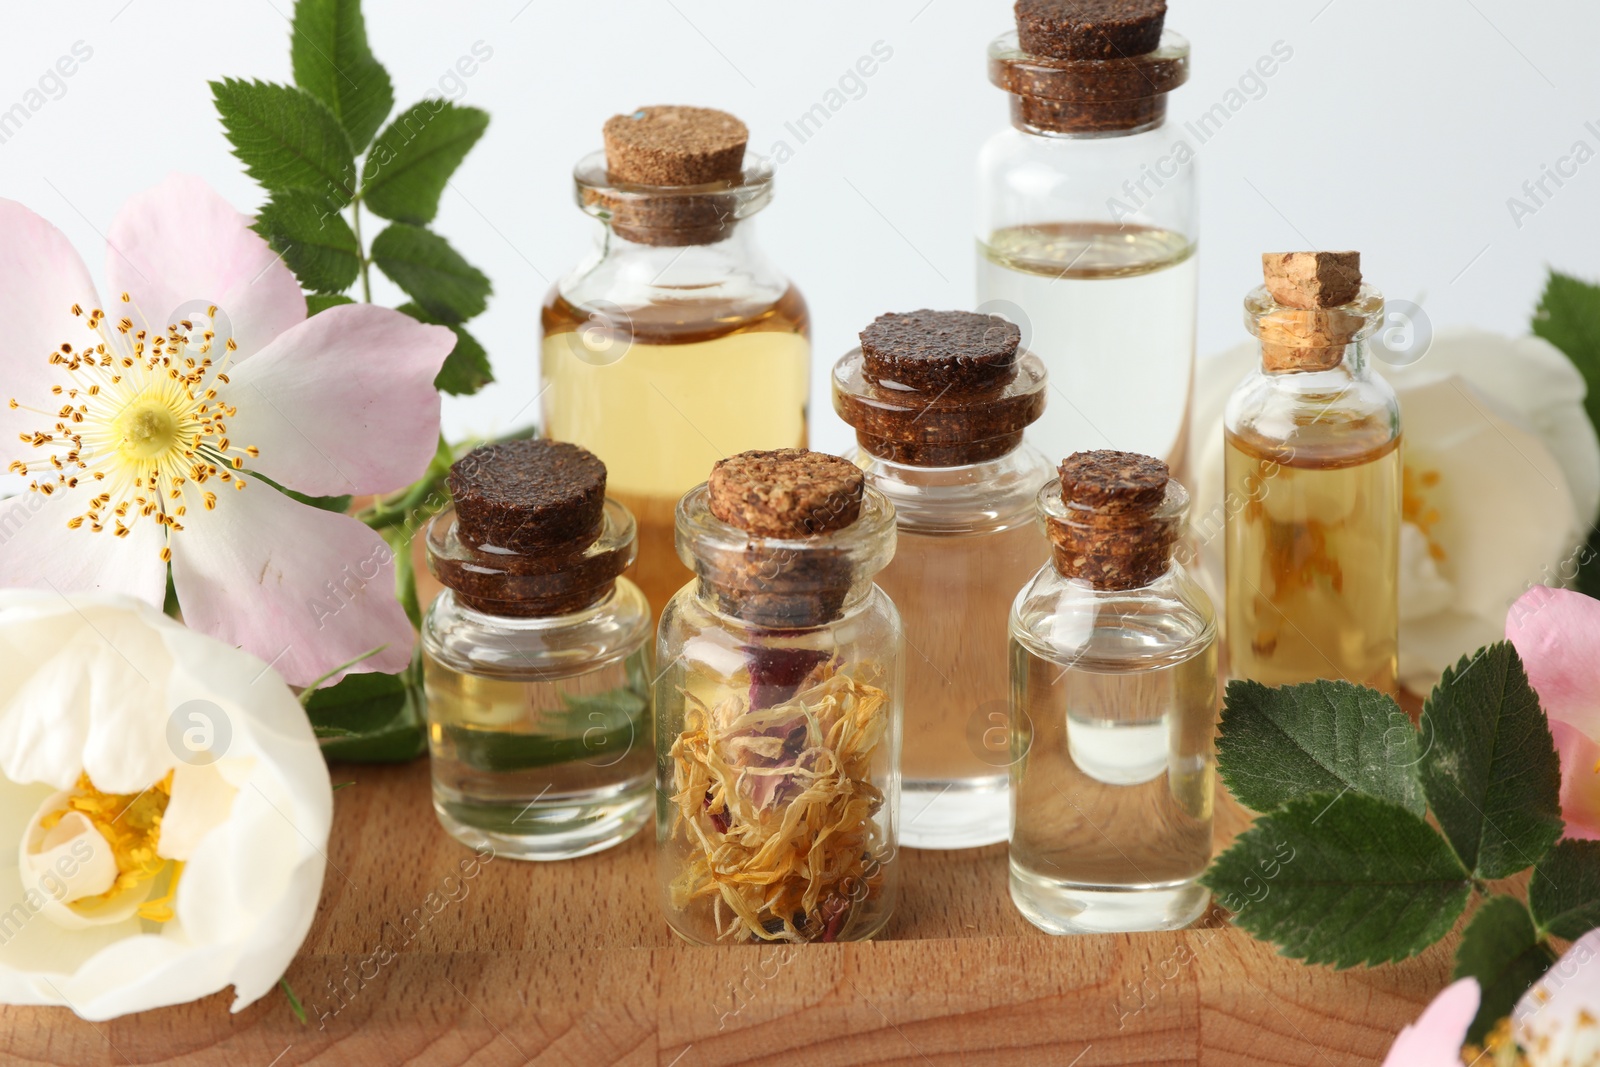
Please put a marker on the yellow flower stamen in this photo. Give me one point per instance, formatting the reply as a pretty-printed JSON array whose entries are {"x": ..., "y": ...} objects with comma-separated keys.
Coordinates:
[
  {"x": 1415, "y": 509},
  {"x": 131, "y": 825},
  {"x": 143, "y": 417}
]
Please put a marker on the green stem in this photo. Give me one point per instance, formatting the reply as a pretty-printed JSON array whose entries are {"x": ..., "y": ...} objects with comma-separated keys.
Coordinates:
[{"x": 361, "y": 251}]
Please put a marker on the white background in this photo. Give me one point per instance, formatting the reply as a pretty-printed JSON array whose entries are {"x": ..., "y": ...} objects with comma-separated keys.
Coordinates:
[{"x": 1400, "y": 129}]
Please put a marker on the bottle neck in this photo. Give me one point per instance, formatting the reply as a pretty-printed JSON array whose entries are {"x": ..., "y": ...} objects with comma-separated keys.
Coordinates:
[
  {"x": 1044, "y": 117},
  {"x": 986, "y": 497}
]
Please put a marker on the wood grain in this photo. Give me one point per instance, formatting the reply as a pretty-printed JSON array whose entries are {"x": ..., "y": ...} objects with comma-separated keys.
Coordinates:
[{"x": 570, "y": 965}]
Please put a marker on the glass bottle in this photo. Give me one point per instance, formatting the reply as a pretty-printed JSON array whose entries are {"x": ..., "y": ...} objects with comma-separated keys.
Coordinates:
[
  {"x": 536, "y": 657},
  {"x": 654, "y": 343},
  {"x": 1313, "y": 481},
  {"x": 1114, "y": 697},
  {"x": 939, "y": 402},
  {"x": 1087, "y": 230},
  {"x": 778, "y": 737}
]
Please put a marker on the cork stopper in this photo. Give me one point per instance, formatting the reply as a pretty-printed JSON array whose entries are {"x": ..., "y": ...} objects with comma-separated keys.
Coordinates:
[
  {"x": 1121, "y": 516},
  {"x": 531, "y": 533},
  {"x": 790, "y": 493},
  {"x": 671, "y": 145},
  {"x": 1311, "y": 331},
  {"x": 931, "y": 350},
  {"x": 1090, "y": 29}
]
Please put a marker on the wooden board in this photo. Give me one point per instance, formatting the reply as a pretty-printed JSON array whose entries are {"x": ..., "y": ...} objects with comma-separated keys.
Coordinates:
[{"x": 570, "y": 965}]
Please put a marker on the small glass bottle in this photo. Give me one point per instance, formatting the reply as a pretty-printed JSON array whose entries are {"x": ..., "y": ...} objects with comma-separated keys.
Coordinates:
[
  {"x": 654, "y": 343},
  {"x": 778, "y": 737},
  {"x": 536, "y": 657},
  {"x": 1114, "y": 698},
  {"x": 1088, "y": 223},
  {"x": 1313, "y": 481},
  {"x": 939, "y": 402}
]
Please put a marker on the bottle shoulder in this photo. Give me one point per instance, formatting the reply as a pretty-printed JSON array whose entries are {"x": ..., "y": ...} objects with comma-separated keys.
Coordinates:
[
  {"x": 977, "y": 498},
  {"x": 1070, "y": 622},
  {"x": 1322, "y": 414},
  {"x": 542, "y": 649}
]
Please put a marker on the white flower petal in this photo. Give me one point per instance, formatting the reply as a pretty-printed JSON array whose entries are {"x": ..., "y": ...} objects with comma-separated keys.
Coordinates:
[
  {"x": 202, "y": 800},
  {"x": 1557, "y": 1022},
  {"x": 38, "y": 551}
]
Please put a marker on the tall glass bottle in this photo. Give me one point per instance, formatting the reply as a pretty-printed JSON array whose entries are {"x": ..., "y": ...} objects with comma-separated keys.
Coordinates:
[
  {"x": 778, "y": 741},
  {"x": 939, "y": 402},
  {"x": 1114, "y": 697},
  {"x": 653, "y": 345},
  {"x": 1313, "y": 477},
  {"x": 536, "y": 657},
  {"x": 1088, "y": 222}
]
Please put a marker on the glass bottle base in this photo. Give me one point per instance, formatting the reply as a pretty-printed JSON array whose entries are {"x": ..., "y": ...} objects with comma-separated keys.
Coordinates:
[
  {"x": 1057, "y": 906},
  {"x": 546, "y": 828},
  {"x": 949, "y": 815}
]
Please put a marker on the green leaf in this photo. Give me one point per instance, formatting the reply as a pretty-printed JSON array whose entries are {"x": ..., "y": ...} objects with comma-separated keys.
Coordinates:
[
  {"x": 466, "y": 369},
  {"x": 1489, "y": 766},
  {"x": 294, "y": 1001},
  {"x": 1501, "y": 949},
  {"x": 1564, "y": 892},
  {"x": 1321, "y": 737},
  {"x": 407, "y": 169},
  {"x": 431, "y": 272},
  {"x": 1568, "y": 317},
  {"x": 369, "y": 718},
  {"x": 1588, "y": 578},
  {"x": 1343, "y": 880},
  {"x": 312, "y": 237},
  {"x": 339, "y": 504},
  {"x": 599, "y": 729},
  {"x": 333, "y": 63},
  {"x": 316, "y": 302},
  {"x": 286, "y": 138}
]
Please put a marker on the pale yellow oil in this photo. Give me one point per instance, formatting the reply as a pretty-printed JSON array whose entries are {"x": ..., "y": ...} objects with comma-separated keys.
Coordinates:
[
  {"x": 1111, "y": 311},
  {"x": 664, "y": 397},
  {"x": 1313, "y": 564}
]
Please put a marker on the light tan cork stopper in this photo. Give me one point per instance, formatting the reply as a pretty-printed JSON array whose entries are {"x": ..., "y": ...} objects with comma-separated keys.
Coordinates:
[
  {"x": 1312, "y": 330},
  {"x": 671, "y": 145},
  {"x": 788, "y": 493}
]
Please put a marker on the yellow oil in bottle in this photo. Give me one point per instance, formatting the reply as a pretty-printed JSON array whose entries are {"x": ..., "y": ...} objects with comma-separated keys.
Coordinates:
[
  {"x": 1313, "y": 562},
  {"x": 663, "y": 392}
]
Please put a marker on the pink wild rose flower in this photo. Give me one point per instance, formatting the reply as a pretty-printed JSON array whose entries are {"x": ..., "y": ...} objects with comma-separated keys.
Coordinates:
[{"x": 1557, "y": 634}]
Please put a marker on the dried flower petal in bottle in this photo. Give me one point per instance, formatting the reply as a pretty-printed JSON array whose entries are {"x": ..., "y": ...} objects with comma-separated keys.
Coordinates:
[
  {"x": 1114, "y": 690},
  {"x": 1313, "y": 476},
  {"x": 939, "y": 401},
  {"x": 778, "y": 734},
  {"x": 655, "y": 343},
  {"x": 536, "y": 657}
]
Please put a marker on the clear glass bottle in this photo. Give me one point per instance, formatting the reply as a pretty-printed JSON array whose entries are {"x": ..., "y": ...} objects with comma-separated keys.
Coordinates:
[
  {"x": 1087, "y": 235},
  {"x": 778, "y": 736},
  {"x": 1114, "y": 698},
  {"x": 1314, "y": 482},
  {"x": 945, "y": 446},
  {"x": 537, "y": 665},
  {"x": 654, "y": 343}
]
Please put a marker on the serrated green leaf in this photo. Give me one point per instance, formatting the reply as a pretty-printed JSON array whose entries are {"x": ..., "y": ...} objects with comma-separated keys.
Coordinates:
[
  {"x": 466, "y": 369},
  {"x": 286, "y": 138},
  {"x": 1501, "y": 949},
  {"x": 1568, "y": 317},
  {"x": 313, "y": 239},
  {"x": 1320, "y": 737},
  {"x": 332, "y": 61},
  {"x": 1564, "y": 892},
  {"x": 406, "y": 171},
  {"x": 368, "y": 718},
  {"x": 1343, "y": 880},
  {"x": 431, "y": 272},
  {"x": 316, "y": 302},
  {"x": 1489, "y": 765}
]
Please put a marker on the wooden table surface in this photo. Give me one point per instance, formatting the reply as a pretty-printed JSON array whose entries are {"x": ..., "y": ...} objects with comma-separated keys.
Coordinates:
[{"x": 409, "y": 962}]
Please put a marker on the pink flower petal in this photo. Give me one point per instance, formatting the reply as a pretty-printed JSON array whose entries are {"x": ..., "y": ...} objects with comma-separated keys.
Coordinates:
[
  {"x": 303, "y": 589},
  {"x": 1580, "y": 781},
  {"x": 180, "y": 247},
  {"x": 38, "y": 551},
  {"x": 1557, "y": 634},
  {"x": 41, "y": 277},
  {"x": 344, "y": 402},
  {"x": 1435, "y": 1040}
]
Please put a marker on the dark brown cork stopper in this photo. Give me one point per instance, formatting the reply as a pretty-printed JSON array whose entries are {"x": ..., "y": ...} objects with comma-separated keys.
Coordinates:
[
  {"x": 1311, "y": 331},
  {"x": 1115, "y": 534},
  {"x": 932, "y": 350},
  {"x": 523, "y": 495},
  {"x": 1090, "y": 29},
  {"x": 675, "y": 146},
  {"x": 790, "y": 493}
]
